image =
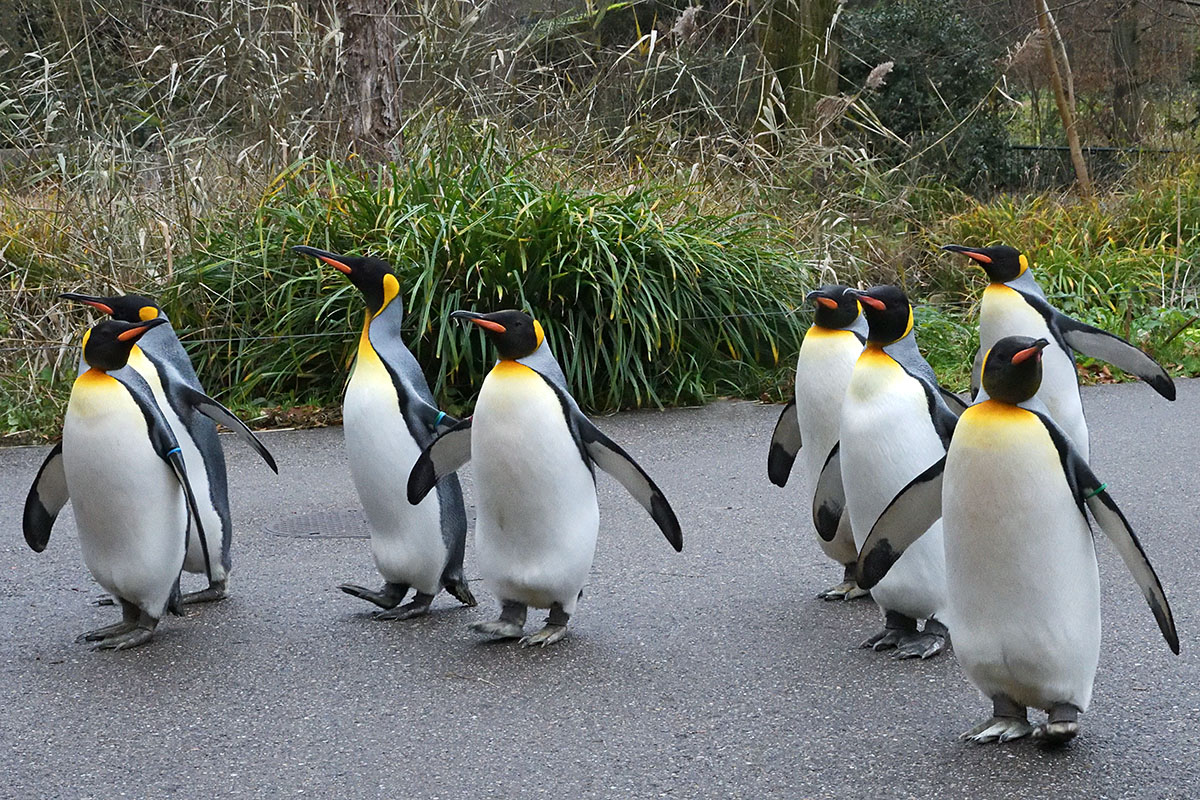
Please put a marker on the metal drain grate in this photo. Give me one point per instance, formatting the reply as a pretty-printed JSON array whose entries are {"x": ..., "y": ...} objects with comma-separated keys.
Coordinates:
[{"x": 321, "y": 525}]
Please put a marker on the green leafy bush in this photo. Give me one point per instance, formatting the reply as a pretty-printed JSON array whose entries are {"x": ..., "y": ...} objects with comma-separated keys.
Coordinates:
[{"x": 645, "y": 299}]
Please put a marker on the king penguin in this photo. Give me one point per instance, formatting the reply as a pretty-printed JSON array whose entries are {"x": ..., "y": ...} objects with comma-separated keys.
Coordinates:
[
  {"x": 1024, "y": 591},
  {"x": 120, "y": 465},
  {"x": 1013, "y": 305},
  {"x": 895, "y": 423},
  {"x": 389, "y": 416},
  {"x": 827, "y": 355},
  {"x": 160, "y": 359},
  {"x": 534, "y": 451}
]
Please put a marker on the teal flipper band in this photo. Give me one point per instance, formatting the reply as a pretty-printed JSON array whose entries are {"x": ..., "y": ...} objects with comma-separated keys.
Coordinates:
[
  {"x": 1094, "y": 492},
  {"x": 441, "y": 416}
]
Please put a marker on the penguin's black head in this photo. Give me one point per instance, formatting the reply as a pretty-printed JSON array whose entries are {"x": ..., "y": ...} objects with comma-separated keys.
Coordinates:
[
  {"x": 126, "y": 307},
  {"x": 888, "y": 312},
  {"x": 106, "y": 346},
  {"x": 515, "y": 333},
  {"x": 836, "y": 307},
  {"x": 372, "y": 277},
  {"x": 1001, "y": 263},
  {"x": 1012, "y": 369}
]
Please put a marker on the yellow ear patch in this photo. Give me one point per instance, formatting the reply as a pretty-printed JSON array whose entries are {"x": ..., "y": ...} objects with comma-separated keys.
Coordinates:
[
  {"x": 391, "y": 289},
  {"x": 147, "y": 313},
  {"x": 908, "y": 328},
  {"x": 541, "y": 334},
  {"x": 86, "y": 335},
  {"x": 1024, "y": 263}
]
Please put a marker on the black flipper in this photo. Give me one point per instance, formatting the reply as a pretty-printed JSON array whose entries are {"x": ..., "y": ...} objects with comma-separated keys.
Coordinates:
[
  {"x": 829, "y": 499},
  {"x": 46, "y": 497},
  {"x": 785, "y": 443},
  {"x": 977, "y": 373},
  {"x": 957, "y": 404},
  {"x": 444, "y": 455},
  {"x": 219, "y": 413},
  {"x": 1089, "y": 491},
  {"x": 909, "y": 515},
  {"x": 1114, "y": 350},
  {"x": 609, "y": 456}
]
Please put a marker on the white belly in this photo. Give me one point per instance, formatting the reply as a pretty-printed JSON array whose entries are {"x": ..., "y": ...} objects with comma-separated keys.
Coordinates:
[
  {"x": 406, "y": 540},
  {"x": 822, "y": 373},
  {"x": 197, "y": 474},
  {"x": 129, "y": 508},
  {"x": 1004, "y": 312},
  {"x": 537, "y": 516},
  {"x": 1021, "y": 567},
  {"x": 887, "y": 440}
]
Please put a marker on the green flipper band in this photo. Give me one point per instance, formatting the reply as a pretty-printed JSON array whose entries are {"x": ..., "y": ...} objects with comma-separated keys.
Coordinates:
[{"x": 1094, "y": 492}]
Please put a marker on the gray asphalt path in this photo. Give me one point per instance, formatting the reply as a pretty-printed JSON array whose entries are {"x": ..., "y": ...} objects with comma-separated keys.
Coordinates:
[{"x": 711, "y": 673}]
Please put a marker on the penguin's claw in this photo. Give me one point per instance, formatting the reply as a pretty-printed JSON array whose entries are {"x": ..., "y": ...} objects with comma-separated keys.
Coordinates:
[
  {"x": 546, "y": 636},
  {"x": 920, "y": 645},
  {"x": 115, "y": 629},
  {"x": 998, "y": 729},
  {"x": 418, "y": 607},
  {"x": 135, "y": 637},
  {"x": 843, "y": 591},
  {"x": 104, "y": 600},
  {"x": 499, "y": 629},
  {"x": 886, "y": 639},
  {"x": 387, "y": 599},
  {"x": 214, "y": 592},
  {"x": 1056, "y": 732}
]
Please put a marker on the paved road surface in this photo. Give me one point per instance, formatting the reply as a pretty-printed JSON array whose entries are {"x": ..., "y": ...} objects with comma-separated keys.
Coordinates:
[{"x": 712, "y": 673}]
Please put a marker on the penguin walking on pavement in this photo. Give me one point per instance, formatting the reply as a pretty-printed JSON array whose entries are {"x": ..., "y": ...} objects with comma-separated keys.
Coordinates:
[
  {"x": 121, "y": 467},
  {"x": 808, "y": 425},
  {"x": 534, "y": 452},
  {"x": 162, "y": 362},
  {"x": 1024, "y": 590},
  {"x": 389, "y": 417},
  {"x": 1013, "y": 305},
  {"x": 895, "y": 423}
]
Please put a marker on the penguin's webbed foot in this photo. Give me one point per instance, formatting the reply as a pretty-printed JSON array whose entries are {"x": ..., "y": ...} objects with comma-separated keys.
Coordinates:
[
  {"x": 115, "y": 629},
  {"x": 896, "y": 627},
  {"x": 1061, "y": 727},
  {"x": 555, "y": 629},
  {"x": 511, "y": 624},
  {"x": 134, "y": 637},
  {"x": 214, "y": 592},
  {"x": 386, "y": 598},
  {"x": 548, "y": 635},
  {"x": 1009, "y": 721},
  {"x": 419, "y": 606},
  {"x": 998, "y": 729},
  {"x": 923, "y": 645},
  {"x": 846, "y": 590}
]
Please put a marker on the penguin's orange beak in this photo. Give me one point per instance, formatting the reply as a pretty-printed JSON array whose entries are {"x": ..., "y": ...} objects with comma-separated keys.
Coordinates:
[
  {"x": 487, "y": 324},
  {"x": 828, "y": 302},
  {"x": 134, "y": 333},
  {"x": 968, "y": 252},
  {"x": 94, "y": 302},
  {"x": 874, "y": 303},
  {"x": 1035, "y": 352},
  {"x": 333, "y": 262}
]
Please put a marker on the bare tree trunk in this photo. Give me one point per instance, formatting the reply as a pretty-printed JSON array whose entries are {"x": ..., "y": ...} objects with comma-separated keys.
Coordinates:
[
  {"x": 1127, "y": 96},
  {"x": 798, "y": 44},
  {"x": 1064, "y": 96},
  {"x": 368, "y": 69}
]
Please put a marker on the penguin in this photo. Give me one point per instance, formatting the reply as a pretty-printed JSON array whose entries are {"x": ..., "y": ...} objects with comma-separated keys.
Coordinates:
[
  {"x": 827, "y": 355},
  {"x": 389, "y": 417},
  {"x": 1023, "y": 586},
  {"x": 895, "y": 422},
  {"x": 534, "y": 453},
  {"x": 160, "y": 359},
  {"x": 1013, "y": 305},
  {"x": 120, "y": 465}
]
